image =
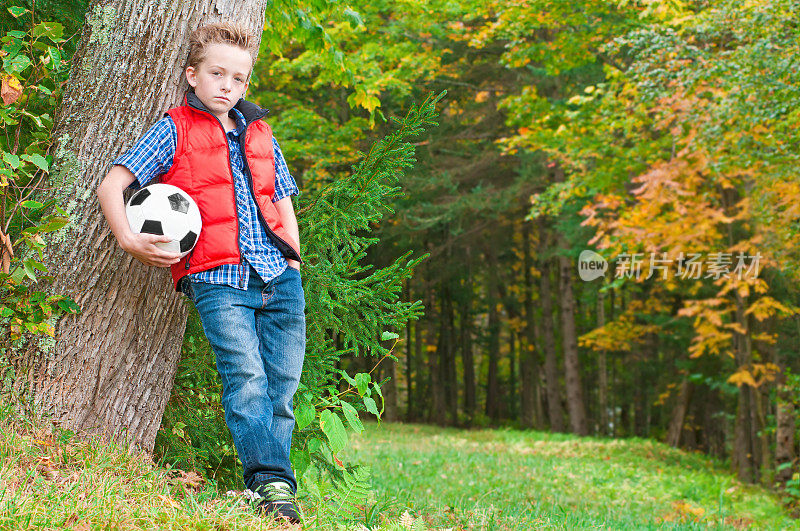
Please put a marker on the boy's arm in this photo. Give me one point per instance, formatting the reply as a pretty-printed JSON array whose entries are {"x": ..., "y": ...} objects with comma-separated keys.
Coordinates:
[
  {"x": 140, "y": 246},
  {"x": 289, "y": 220}
]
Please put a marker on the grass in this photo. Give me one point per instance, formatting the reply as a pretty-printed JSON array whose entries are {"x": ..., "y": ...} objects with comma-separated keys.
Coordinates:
[
  {"x": 423, "y": 478},
  {"x": 54, "y": 480},
  {"x": 511, "y": 479}
]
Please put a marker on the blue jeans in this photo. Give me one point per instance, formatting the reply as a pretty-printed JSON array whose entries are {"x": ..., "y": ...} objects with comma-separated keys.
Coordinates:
[{"x": 259, "y": 338}]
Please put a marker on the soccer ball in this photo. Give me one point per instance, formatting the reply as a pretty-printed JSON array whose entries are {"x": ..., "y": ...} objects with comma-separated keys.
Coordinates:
[{"x": 167, "y": 210}]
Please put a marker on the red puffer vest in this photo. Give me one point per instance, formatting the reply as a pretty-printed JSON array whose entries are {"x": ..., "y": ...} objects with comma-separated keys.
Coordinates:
[{"x": 201, "y": 167}]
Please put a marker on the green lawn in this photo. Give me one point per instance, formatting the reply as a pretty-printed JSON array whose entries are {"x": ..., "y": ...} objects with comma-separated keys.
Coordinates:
[
  {"x": 511, "y": 479},
  {"x": 424, "y": 478}
]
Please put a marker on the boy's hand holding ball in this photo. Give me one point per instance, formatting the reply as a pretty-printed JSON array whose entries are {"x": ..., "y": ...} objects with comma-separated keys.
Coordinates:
[{"x": 142, "y": 247}]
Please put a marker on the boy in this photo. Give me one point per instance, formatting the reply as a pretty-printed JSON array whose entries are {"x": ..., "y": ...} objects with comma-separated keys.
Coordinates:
[{"x": 243, "y": 275}]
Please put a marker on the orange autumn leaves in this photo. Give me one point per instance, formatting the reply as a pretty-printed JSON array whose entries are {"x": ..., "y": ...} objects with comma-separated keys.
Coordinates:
[{"x": 10, "y": 89}]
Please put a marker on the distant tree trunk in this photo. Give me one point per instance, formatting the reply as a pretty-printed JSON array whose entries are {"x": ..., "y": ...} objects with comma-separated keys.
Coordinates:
[
  {"x": 746, "y": 459},
  {"x": 602, "y": 370},
  {"x": 572, "y": 369},
  {"x": 512, "y": 374},
  {"x": 450, "y": 378},
  {"x": 409, "y": 354},
  {"x": 530, "y": 414},
  {"x": 554, "y": 408},
  {"x": 493, "y": 348},
  {"x": 420, "y": 372},
  {"x": 784, "y": 435},
  {"x": 439, "y": 403},
  {"x": 679, "y": 414},
  {"x": 112, "y": 366},
  {"x": 467, "y": 359},
  {"x": 389, "y": 390}
]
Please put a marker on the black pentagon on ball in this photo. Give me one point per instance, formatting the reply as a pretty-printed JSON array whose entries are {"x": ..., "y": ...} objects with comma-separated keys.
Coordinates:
[
  {"x": 139, "y": 197},
  {"x": 152, "y": 227},
  {"x": 178, "y": 203},
  {"x": 188, "y": 241}
]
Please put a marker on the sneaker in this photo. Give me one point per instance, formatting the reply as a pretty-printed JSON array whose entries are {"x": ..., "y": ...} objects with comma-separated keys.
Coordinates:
[{"x": 276, "y": 499}]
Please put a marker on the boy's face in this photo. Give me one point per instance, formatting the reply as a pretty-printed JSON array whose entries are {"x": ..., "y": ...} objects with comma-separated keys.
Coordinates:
[{"x": 221, "y": 78}]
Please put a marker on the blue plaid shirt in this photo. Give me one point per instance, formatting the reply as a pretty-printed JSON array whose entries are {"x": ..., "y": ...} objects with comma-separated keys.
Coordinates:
[{"x": 152, "y": 156}]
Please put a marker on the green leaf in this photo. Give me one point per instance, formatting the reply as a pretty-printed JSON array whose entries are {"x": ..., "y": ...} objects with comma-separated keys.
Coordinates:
[
  {"x": 351, "y": 415},
  {"x": 353, "y": 17},
  {"x": 11, "y": 160},
  {"x": 29, "y": 269},
  {"x": 314, "y": 445},
  {"x": 38, "y": 160},
  {"x": 301, "y": 460},
  {"x": 52, "y": 30},
  {"x": 333, "y": 429},
  {"x": 17, "y": 64},
  {"x": 53, "y": 224},
  {"x": 17, "y": 11},
  {"x": 347, "y": 378},
  {"x": 371, "y": 406},
  {"x": 32, "y": 204},
  {"x": 304, "y": 415},
  {"x": 362, "y": 382},
  {"x": 36, "y": 265},
  {"x": 386, "y": 336}
]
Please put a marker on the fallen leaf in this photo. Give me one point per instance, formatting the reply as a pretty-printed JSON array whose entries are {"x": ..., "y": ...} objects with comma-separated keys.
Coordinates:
[
  {"x": 10, "y": 89},
  {"x": 188, "y": 479}
]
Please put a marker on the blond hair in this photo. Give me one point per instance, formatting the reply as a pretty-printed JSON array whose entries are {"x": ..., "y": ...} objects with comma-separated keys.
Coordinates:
[{"x": 219, "y": 33}]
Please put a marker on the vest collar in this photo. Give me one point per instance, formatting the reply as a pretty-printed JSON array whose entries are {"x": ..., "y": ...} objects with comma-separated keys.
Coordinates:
[{"x": 249, "y": 110}]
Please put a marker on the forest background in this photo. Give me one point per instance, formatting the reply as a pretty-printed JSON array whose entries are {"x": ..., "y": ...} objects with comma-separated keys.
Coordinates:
[{"x": 656, "y": 132}]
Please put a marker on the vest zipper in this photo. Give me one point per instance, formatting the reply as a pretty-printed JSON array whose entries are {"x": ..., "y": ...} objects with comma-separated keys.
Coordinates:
[
  {"x": 281, "y": 244},
  {"x": 233, "y": 190}
]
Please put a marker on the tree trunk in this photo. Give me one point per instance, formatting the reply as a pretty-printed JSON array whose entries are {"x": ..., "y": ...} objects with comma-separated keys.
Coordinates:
[
  {"x": 784, "y": 435},
  {"x": 389, "y": 390},
  {"x": 409, "y": 355},
  {"x": 450, "y": 377},
  {"x": 602, "y": 369},
  {"x": 467, "y": 360},
  {"x": 111, "y": 367},
  {"x": 554, "y": 408},
  {"x": 493, "y": 347},
  {"x": 746, "y": 450},
  {"x": 529, "y": 364},
  {"x": 679, "y": 414},
  {"x": 572, "y": 369}
]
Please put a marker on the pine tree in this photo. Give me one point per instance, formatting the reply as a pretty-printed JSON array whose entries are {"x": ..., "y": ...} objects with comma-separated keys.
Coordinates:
[{"x": 350, "y": 307}]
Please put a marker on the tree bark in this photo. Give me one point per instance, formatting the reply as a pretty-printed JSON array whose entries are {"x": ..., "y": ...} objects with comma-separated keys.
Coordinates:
[
  {"x": 784, "y": 435},
  {"x": 554, "y": 409},
  {"x": 493, "y": 347},
  {"x": 111, "y": 367},
  {"x": 409, "y": 355},
  {"x": 389, "y": 390},
  {"x": 529, "y": 363},
  {"x": 679, "y": 414},
  {"x": 602, "y": 369},
  {"x": 467, "y": 359},
  {"x": 572, "y": 369},
  {"x": 746, "y": 458}
]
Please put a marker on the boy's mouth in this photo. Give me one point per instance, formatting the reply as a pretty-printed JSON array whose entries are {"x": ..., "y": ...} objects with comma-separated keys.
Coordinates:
[{"x": 221, "y": 98}]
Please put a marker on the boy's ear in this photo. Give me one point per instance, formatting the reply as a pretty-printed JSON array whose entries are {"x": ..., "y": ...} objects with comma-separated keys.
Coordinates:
[{"x": 191, "y": 76}]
